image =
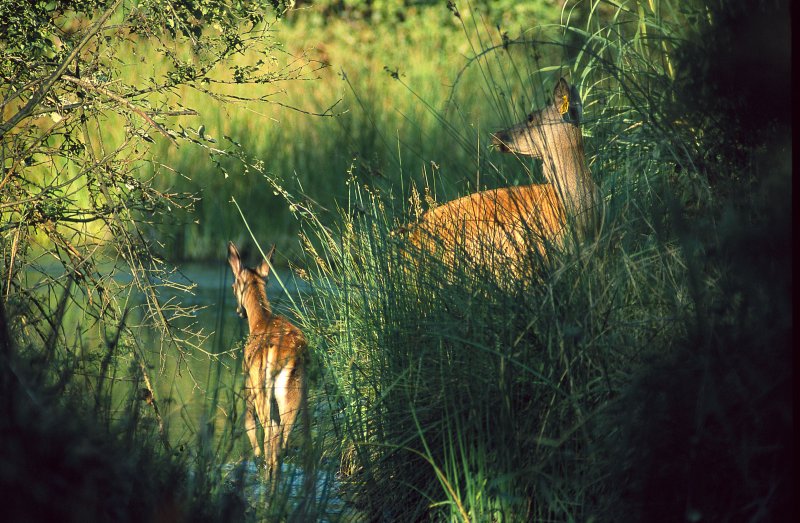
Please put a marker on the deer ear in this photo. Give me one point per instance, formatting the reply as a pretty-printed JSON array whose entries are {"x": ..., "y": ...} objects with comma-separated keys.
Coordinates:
[
  {"x": 575, "y": 106},
  {"x": 233, "y": 259},
  {"x": 263, "y": 269},
  {"x": 561, "y": 94},
  {"x": 568, "y": 101},
  {"x": 561, "y": 90}
]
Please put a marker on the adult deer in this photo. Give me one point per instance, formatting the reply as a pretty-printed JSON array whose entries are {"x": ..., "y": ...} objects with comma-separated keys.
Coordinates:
[
  {"x": 498, "y": 226},
  {"x": 274, "y": 363}
]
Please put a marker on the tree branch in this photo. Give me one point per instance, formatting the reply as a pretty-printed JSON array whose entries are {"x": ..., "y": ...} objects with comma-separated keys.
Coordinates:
[
  {"x": 39, "y": 95},
  {"x": 117, "y": 98}
]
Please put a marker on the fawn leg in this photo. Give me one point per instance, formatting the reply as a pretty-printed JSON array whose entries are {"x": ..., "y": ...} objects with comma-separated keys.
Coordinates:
[{"x": 250, "y": 429}]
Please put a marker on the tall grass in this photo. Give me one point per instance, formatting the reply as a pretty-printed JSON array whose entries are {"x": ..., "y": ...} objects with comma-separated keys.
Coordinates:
[
  {"x": 640, "y": 378},
  {"x": 472, "y": 398},
  {"x": 583, "y": 393}
]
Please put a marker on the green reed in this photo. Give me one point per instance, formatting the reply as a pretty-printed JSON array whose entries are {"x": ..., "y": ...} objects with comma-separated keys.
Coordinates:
[{"x": 463, "y": 393}]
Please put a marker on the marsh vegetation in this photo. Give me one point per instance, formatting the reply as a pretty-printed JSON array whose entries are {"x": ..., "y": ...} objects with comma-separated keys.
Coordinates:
[{"x": 639, "y": 375}]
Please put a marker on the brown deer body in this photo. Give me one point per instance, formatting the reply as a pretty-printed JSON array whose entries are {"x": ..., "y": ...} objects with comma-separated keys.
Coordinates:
[
  {"x": 274, "y": 363},
  {"x": 499, "y": 225}
]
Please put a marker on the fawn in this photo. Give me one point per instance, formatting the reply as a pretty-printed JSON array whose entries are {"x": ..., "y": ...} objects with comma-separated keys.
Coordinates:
[
  {"x": 498, "y": 225},
  {"x": 274, "y": 363}
]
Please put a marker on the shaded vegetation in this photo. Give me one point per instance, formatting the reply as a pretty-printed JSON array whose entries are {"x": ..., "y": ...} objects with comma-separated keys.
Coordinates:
[
  {"x": 641, "y": 377},
  {"x": 63, "y": 460}
]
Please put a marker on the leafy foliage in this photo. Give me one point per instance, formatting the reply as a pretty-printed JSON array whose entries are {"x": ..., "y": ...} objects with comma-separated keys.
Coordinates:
[{"x": 76, "y": 131}]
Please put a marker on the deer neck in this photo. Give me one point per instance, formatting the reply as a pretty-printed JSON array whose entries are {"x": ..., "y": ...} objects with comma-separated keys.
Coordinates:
[
  {"x": 257, "y": 307},
  {"x": 566, "y": 169}
]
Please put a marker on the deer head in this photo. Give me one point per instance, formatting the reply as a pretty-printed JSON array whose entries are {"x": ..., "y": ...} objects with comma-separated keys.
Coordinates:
[
  {"x": 552, "y": 128},
  {"x": 248, "y": 280}
]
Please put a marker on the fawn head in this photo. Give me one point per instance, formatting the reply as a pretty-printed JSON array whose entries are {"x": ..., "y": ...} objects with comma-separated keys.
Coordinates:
[
  {"x": 555, "y": 126},
  {"x": 245, "y": 277}
]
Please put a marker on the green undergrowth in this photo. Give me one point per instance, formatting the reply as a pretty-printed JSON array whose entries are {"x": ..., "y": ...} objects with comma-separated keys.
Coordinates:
[
  {"x": 614, "y": 383},
  {"x": 474, "y": 395},
  {"x": 640, "y": 376},
  {"x": 594, "y": 390},
  {"x": 88, "y": 437}
]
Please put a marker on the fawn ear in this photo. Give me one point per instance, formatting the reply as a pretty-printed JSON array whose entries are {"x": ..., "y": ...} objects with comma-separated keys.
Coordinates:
[
  {"x": 263, "y": 269},
  {"x": 233, "y": 259}
]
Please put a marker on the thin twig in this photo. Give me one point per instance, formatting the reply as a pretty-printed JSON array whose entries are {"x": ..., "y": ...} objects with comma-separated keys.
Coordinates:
[
  {"x": 39, "y": 95},
  {"x": 117, "y": 98}
]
